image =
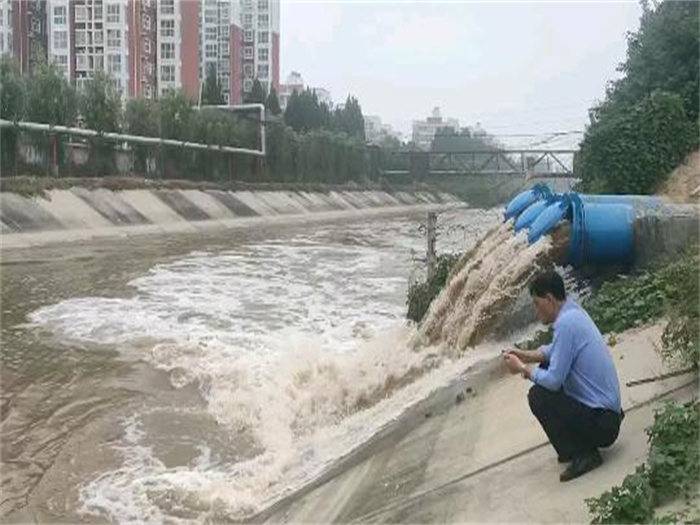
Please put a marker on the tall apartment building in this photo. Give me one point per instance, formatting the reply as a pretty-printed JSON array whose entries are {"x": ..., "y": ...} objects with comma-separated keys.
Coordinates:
[
  {"x": 261, "y": 43},
  {"x": 216, "y": 20},
  {"x": 29, "y": 31},
  {"x": 178, "y": 46},
  {"x": 5, "y": 27},
  {"x": 149, "y": 46},
  {"x": 116, "y": 36},
  {"x": 99, "y": 41},
  {"x": 142, "y": 27}
]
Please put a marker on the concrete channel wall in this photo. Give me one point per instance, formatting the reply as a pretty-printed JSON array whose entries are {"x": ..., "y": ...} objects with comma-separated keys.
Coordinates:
[{"x": 79, "y": 213}]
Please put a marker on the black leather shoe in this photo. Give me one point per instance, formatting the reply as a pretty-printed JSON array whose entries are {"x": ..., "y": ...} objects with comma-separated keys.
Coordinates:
[
  {"x": 564, "y": 459},
  {"x": 579, "y": 466}
]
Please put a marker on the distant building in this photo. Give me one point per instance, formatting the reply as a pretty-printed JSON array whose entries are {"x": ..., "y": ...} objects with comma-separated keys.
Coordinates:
[
  {"x": 5, "y": 27},
  {"x": 219, "y": 27},
  {"x": 295, "y": 84},
  {"x": 323, "y": 95},
  {"x": 373, "y": 128},
  {"x": 261, "y": 44},
  {"x": 28, "y": 31},
  {"x": 142, "y": 28},
  {"x": 375, "y": 131},
  {"x": 424, "y": 130}
]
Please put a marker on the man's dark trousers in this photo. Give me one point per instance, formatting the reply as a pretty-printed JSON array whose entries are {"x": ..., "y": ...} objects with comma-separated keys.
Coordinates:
[{"x": 574, "y": 429}]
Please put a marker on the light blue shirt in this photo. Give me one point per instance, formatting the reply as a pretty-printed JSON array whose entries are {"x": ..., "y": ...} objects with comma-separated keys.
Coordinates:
[{"x": 579, "y": 361}]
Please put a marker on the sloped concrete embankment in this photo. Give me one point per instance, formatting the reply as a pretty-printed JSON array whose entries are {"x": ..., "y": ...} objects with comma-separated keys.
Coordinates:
[
  {"x": 485, "y": 459},
  {"x": 80, "y": 213}
]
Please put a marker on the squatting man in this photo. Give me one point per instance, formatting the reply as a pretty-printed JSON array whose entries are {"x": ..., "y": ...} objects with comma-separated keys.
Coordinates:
[{"x": 575, "y": 394}]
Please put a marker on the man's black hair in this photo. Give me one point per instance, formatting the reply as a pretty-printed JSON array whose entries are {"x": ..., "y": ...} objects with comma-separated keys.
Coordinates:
[{"x": 546, "y": 282}]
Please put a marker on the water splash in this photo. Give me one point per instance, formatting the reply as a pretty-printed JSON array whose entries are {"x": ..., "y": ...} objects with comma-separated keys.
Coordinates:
[{"x": 484, "y": 283}]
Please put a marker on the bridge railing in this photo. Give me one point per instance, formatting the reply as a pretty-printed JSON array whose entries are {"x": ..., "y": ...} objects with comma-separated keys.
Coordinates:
[{"x": 529, "y": 163}]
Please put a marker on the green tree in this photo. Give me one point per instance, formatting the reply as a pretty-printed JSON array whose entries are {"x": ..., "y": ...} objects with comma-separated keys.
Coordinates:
[
  {"x": 648, "y": 120},
  {"x": 212, "y": 94},
  {"x": 272, "y": 103},
  {"x": 141, "y": 118},
  {"x": 305, "y": 113},
  {"x": 175, "y": 121},
  {"x": 174, "y": 112},
  {"x": 257, "y": 93},
  {"x": 349, "y": 119},
  {"x": 101, "y": 104},
  {"x": 49, "y": 97},
  {"x": 12, "y": 97},
  {"x": 101, "y": 109},
  {"x": 664, "y": 54}
]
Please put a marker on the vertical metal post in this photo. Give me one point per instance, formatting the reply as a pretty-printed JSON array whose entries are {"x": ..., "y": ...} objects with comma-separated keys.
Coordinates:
[
  {"x": 431, "y": 257},
  {"x": 54, "y": 156}
]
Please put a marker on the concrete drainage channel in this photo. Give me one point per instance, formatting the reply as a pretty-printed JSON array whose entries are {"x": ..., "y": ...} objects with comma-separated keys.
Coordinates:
[{"x": 81, "y": 214}]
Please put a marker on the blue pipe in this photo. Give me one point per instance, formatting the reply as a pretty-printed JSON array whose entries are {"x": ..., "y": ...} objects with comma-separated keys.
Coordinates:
[
  {"x": 526, "y": 218},
  {"x": 602, "y": 225},
  {"x": 601, "y": 233},
  {"x": 521, "y": 201}
]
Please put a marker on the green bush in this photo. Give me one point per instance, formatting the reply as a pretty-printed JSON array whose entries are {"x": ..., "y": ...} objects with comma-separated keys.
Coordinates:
[
  {"x": 632, "y": 149},
  {"x": 672, "y": 291},
  {"x": 681, "y": 337},
  {"x": 626, "y": 302},
  {"x": 631, "y": 502},
  {"x": 672, "y": 469},
  {"x": 674, "y": 456},
  {"x": 421, "y": 294}
]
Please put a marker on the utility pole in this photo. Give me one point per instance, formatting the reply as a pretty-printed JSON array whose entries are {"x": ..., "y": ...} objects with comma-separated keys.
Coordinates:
[{"x": 432, "y": 238}]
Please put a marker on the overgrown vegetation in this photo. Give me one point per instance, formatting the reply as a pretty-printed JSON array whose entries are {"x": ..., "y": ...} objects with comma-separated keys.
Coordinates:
[
  {"x": 648, "y": 121},
  {"x": 422, "y": 293},
  {"x": 673, "y": 466},
  {"x": 672, "y": 291},
  {"x": 671, "y": 470}
]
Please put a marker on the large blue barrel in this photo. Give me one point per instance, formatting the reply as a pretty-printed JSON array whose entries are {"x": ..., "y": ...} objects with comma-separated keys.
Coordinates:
[
  {"x": 632, "y": 200},
  {"x": 601, "y": 233},
  {"x": 642, "y": 204}
]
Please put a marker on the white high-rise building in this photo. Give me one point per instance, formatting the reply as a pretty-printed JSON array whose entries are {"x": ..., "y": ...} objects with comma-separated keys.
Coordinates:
[
  {"x": 59, "y": 38},
  {"x": 215, "y": 48},
  {"x": 168, "y": 40},
  {"x": 99, "y": 39},
  {"x": 424, "y": 130},
  {"x": 260, "y": 20},
  {"x": 5, "y": 27}
]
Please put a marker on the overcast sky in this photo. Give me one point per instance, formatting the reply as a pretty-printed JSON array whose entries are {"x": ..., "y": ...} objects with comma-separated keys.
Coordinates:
[{"x": 515, "y": 67}]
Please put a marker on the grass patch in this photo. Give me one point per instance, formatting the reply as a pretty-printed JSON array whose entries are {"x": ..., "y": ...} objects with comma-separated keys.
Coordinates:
[
  {"x": 672, "y": 291},
  {"x": 671, "y": 470}
]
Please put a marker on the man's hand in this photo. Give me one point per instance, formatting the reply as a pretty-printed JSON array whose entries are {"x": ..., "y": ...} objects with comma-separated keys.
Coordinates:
[
  {"x": 523, "y": 356},
  {"x": 513, "y": 363},
  {"x": 527, "y": 356}
]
